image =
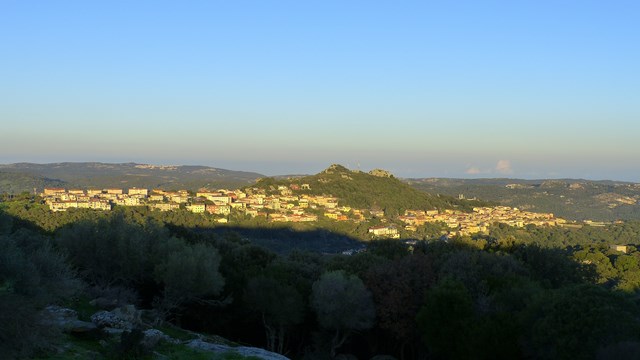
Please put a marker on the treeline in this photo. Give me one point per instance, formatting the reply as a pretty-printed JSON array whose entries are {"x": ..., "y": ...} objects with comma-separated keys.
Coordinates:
[
  {"x": 500, "y": 298},
  {"x": 324, "y": 236},
  {"x": 627, "y": 233},
  {"x": 588, "y": 245}
]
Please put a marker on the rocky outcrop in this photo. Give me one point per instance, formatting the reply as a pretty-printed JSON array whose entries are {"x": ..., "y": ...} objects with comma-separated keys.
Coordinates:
[
  {"x": 335, "y": 168},
  {"x": 383, "y": 357},
  {"x": 67, "y": 320},
  {"x": 107, "y": 319},
  {"x": 125, "y": 321},
  {"x": 123, "y": 318},
  {"x": 58, "y": 316},
  {"x": 380, "y": 173},
  {"x": 242, "y": 350},
  {"x": 154, "y": 336}
]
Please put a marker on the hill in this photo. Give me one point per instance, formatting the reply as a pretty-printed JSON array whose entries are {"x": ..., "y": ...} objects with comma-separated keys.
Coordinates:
[
  {"x": 375, "y": 190},
  {"x": 575, "y": 199},
  {"x": 25, "y": 176},
  {"x": 15, "y": 182}
]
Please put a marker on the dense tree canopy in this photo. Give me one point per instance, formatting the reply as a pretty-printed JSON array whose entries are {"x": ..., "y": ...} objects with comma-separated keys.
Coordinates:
[{"x": 514, "y": 293}]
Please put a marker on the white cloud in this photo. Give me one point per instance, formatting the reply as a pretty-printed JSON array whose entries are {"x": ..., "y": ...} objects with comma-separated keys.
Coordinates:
[
  {"x": 473, "y": 170},
  {"x": 504, "y": 167}
]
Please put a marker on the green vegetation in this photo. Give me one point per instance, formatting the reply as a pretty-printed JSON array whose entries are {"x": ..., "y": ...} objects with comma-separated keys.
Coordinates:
[
  {"x": 17, "y": 183},
  {"x": 278, "y": 237},
  {"x": 16, "y": 178},
  {"x": 33, "y": 273},
  {"x": 343, "y": 305},
  {"x": 364, "y": 191},
  {"x": 514, "y": 293},
  {"x": 570, "y": 199},
  {"x": 280, "y": 305}
]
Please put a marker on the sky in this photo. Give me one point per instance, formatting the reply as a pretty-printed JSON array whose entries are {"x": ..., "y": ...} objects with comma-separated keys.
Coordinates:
[{"x": 521, "y": 89}]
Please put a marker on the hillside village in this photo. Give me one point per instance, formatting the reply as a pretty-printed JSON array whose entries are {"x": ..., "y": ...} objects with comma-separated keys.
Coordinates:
[{"x": 291, "y": 204}]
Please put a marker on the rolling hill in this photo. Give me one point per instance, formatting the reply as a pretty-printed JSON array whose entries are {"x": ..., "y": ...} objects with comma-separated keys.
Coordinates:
[
  {"x": 16, "y": 182},
  {"x": 25, "y": 176},
  {"x": 574, "y": 199},
  {"x": 375, "y": 190}
]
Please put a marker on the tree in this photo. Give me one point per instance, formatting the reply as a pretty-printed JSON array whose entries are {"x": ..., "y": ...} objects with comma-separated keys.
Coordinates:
[
  {"x": 481, "y": 272},
  {"x": 574, "y": 322},
  {"x": 628, "y": 268},
  {"x": 280, "y": 306},
  {"x": 447, "y": 319},
  {"x": 552, "y": 267},
  {"x": 391, "y": 249},
  {"x": 243, "y": 263},
  {"x": 343, "y": 305},
  {"x": 31, "y": 276},
  {"x": 113, "y": 251},
  {"x": 399, "y": 289},
  {"x": 6, "y": 223},
  {"x": 605, "y": 271},
  {"x": 189, "y": 274},
  {"x": 358, "y": 264}
]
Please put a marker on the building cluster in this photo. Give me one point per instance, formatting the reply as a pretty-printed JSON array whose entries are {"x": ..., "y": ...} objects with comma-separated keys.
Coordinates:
[
  {"x": 478, "y": 221},
  {"x": 281, "y": 207},
  {"x": 281, "y": 204},
  {"x": 384, "y": 231},
  {"x": 62, "y": 199}
]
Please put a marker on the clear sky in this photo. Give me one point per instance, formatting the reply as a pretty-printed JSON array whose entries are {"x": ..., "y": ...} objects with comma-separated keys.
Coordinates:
[{"x": 527, "y": 89}]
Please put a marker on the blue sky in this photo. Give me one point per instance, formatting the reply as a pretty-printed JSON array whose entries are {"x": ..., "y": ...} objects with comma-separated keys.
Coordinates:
[{"x": 529, "y": 89}]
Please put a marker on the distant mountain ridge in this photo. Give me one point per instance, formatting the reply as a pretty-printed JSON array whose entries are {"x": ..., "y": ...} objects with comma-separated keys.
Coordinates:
[
  {"x": 25, "y": 176},
  {"x": 575, "y": 199}
]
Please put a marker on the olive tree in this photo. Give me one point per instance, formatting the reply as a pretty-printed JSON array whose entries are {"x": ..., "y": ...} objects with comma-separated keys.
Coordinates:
[
  {"x": 342, "y": 304},
  {"x": 280, "y": 306},
  {"x": 190, "y": 273}
]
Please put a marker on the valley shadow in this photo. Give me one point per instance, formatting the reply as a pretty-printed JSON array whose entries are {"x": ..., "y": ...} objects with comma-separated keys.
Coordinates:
[{"x": 281, "y": 240}]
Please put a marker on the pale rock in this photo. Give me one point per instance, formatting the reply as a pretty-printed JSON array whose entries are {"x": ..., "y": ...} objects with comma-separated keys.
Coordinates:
[
  {"x": 153, "y": 336},
  {"x": 126, "y": 317},
  {"x": 67, "y": 320},
  {"x": 242, "y": 350},
  {"x": 107, "y": 319}
]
